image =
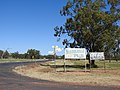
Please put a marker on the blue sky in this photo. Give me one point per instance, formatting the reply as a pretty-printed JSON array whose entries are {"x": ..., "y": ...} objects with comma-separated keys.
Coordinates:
[{"x": 29, "y": 24}]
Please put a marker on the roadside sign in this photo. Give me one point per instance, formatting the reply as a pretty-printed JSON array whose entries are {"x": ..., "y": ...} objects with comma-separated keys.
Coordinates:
[
  {"x": 75, "y": 53},
  {"x": 97, "y": 56}
]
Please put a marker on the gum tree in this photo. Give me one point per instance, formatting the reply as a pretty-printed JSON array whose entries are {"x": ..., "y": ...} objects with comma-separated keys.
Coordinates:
[{"x": 90, "y": 24}]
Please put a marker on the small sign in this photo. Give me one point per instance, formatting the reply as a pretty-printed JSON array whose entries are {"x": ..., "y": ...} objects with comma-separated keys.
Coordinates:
[
  {"x": 75, "y": 53},
  {"x": 97, "y": 56}
]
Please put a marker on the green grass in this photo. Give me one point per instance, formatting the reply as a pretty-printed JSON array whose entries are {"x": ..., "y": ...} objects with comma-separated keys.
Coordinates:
[
  {"x": 109, "y": 65},
  {"x": 80, "y": 64}
]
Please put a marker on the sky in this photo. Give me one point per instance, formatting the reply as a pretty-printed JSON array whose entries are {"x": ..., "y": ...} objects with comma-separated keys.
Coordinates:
[{"x": 29, "y": 24}]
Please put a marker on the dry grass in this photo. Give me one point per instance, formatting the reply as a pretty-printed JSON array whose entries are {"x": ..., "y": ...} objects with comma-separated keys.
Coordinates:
[{"x": 110, "y": 78}]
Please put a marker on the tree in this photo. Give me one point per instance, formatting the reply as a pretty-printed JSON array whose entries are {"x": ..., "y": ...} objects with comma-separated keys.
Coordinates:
[
  {"x": 90, "y": 24},
  {"x": 33, "y": 54},
  {"x": 1, "y": 53},
  {"x": 15, "y": 55},
  {"x": 6, "y": 54},
  {"x": 22, "y": 56},
  {"x": 49, "y": 56}
]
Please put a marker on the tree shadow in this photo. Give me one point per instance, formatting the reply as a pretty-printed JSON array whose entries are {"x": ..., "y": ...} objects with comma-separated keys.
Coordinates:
[
  {"x": 68, "y": 66},
  {"x": 71, "y": 66}
]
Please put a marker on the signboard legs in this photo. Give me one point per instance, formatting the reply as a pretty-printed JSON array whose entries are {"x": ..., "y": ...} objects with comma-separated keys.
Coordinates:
[
  {"x": 55, "y": 58},
  {"x": 64, "y": 66},
  {"x": 90, "y": 65},
  {"x": 85, "y": 66},
  {"x": 104, "y": 66}
]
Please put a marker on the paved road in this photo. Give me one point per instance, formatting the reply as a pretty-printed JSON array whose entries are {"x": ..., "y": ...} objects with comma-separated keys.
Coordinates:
[{"x": 12, "y": 81}]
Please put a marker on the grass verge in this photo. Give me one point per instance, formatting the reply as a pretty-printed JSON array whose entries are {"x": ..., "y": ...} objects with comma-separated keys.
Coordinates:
[
  {"x": 46, "y": 71},
  {"x": 17, "y": 60}
]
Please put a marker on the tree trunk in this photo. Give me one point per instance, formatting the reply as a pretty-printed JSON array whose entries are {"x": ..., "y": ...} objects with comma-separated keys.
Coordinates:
[{"x": 92, "y": 62}]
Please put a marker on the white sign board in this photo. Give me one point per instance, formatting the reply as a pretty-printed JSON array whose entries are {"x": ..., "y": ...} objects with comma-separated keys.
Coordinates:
[
  {"x": 97, "y": 56},
  {"x": 75, "y": 53}
]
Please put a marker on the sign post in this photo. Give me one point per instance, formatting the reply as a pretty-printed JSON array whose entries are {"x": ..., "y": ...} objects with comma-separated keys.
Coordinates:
[
  {"x": 85, "y": 66},
  {"x": 104, "y": 66},
  {"x": 75, "y": 53},
  {"x": 54, "y": 47},
  {"x": 64, "y": 66}
]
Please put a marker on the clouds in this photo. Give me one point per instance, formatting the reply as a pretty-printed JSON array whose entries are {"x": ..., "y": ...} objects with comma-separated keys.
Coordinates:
[
  {"x": 51, "y": 52},
  {"x": 56, "y": 48},
  {"x": 59, "y": 49}
]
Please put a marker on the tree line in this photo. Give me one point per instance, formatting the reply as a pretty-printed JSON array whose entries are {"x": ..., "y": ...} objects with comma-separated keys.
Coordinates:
[
  {"x": 30, "y": 54},
  {"x": 35, "y": 54}
]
